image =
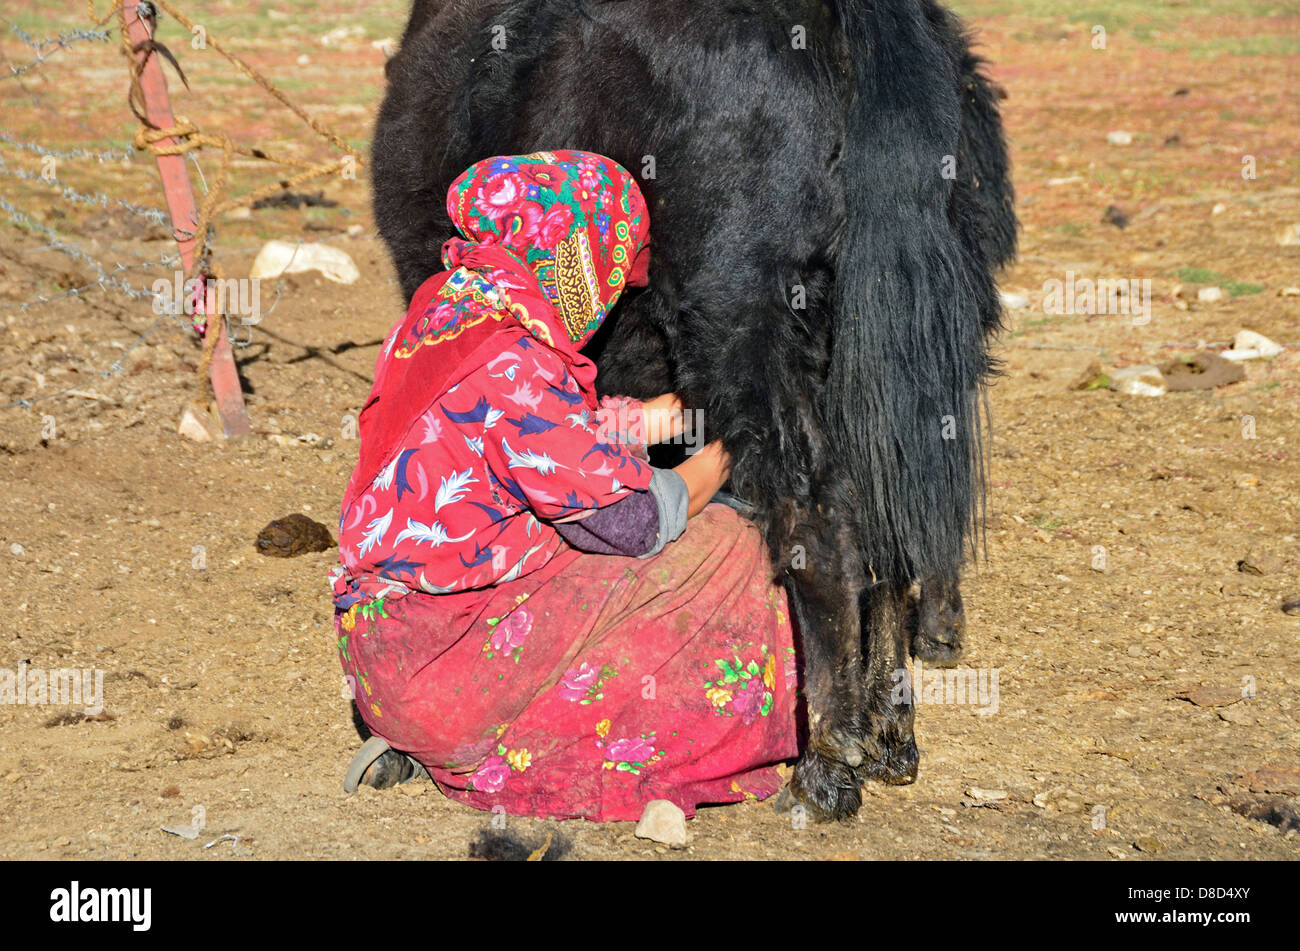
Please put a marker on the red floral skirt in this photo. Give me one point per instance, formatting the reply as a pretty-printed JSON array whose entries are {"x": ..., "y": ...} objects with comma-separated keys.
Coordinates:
[{"x": 593, "y": 685}]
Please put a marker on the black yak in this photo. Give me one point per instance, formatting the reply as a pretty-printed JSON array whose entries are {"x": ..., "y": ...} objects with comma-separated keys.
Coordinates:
[{"x": 830, "y": 199}]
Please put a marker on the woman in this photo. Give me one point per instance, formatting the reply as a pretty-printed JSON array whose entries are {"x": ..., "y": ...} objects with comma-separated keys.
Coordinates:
[{"x": 522, "y": 609}]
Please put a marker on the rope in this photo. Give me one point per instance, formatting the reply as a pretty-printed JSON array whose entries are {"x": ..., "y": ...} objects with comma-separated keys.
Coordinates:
[{"x": 185, "y": 136}]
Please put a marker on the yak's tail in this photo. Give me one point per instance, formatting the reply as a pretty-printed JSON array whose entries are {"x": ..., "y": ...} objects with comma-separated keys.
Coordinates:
[{"x": 911, "y": 299}]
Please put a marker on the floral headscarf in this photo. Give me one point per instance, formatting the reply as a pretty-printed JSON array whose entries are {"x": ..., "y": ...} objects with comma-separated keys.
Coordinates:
[
  {"x": 550, "y": 239},
  {"x": 578, "y": 221}
]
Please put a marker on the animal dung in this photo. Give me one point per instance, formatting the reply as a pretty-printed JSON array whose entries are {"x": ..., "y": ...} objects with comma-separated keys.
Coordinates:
[
  {"x": 1200, "y": 371},
  {"x": 292, "y": 535}
]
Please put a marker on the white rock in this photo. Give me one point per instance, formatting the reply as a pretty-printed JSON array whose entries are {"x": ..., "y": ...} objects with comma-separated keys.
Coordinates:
[
  {"x": 1219, "y": 209},
  {"x": 986, "y": 795},
  {"x": 1144, "y": 380},
  {"x": 1013, "y": 300},
  {"x": 1290, "y": 235},
  {"x": 663, "y": 822},
  {"x": 1209, "y": 295},
  {"x": 1249, "y": 340},
  {"x": 199, "y": 425},
  {"x": 1119, "y": 138},
  {"x": 1239, "y": 355},
  {"x": 303, "y": 59},
  {"x": 17, "y": 550},
  {"x": 340, "y": 35},
  {"x": 281, "y": 257},
  {"x": 388, "y": 46}
]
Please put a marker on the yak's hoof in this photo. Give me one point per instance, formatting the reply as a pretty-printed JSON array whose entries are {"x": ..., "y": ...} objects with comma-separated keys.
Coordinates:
[
  {"x": 942, "y": 649},
  {"x": 825, "y": 788},
  {"x": 938, "y": 623},
  {"x": 897, "y": 767}
]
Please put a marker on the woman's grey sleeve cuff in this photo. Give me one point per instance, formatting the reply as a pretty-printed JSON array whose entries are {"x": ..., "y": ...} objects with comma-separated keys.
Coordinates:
[{"x": 673, "y": 499}]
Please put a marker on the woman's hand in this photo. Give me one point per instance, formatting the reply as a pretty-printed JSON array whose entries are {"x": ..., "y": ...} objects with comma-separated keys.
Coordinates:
[
  {"x": 662, "y": 418},
  {"x": 704, "y": 474}
]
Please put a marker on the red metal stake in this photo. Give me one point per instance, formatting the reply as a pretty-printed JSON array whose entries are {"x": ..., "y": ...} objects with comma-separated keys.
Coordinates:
[{"x": 184, "y": 212}]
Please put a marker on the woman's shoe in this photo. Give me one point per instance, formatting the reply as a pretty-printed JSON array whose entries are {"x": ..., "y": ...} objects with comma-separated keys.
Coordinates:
[{"x": 380, "y": 766}]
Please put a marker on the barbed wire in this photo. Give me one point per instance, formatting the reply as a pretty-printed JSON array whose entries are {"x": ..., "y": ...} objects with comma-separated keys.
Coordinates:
[
  {"x": 112, "y": 370},
  {"x": 59, "y": 42},
  {"x": 57, "y": 243},
  {"x": 121, "y": 157},
  {"x": 183, "y": 138},
  {"x": 156, "y": 215}
]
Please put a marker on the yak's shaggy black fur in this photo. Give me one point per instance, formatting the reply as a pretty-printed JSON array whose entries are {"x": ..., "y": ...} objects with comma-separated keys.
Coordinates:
[{"x": 779, "y": 173}]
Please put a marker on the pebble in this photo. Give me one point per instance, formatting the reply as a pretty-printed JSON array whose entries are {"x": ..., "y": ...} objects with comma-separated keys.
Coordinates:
[
  {"x": 1014, "y": 300},
  {"x": 1249, "y": 340},
  {"x": 17, "y": 550},
  {"x": 1208, "y": 295},
  {"x": 1149, "y": 844},
  {"x": 663, "y": 822},
  {"x": 1061, "y": 799},
  {"x": 986, "y": 795},
  {"x": 1289, "y": 236},
  {"x": 1143, "y": 380},
  {"x": 1119, "y": 137}
]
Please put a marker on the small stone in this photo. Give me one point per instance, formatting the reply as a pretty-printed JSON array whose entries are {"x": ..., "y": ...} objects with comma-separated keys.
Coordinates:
[
  {"x": 1061, "y": 799},
  {"x": 1236, "y": 715},
  {"x": 1090, "y": 377},
  {"x": 1219, "y": 209},
  {"x": 1149, "y": 844},
  {"x": 1143, "y": 380},
  {"x": 986, "y": 795},
  {"x": 1014, "y": 300},
  {"x": 171, "y": 792},
  {"x": 1289, "y": 236},
  {"x": 1208, "y": 295},
  {"x": 1249, "y": 340},
  {"x": 197, "y": 424},
  {"x": 663, "y": 822},
  {"x": 1292, "y": 606},
  {"x": 1204, "y": 696},
  {"x": 1116, "y": 216},
  {"x": 13, "y": 777},
  {"x": 1289, "y": 292},
  {"x": 1248, "y": 482},
  {"x": 17, "y": 550},
  {"x": 61, "y": 841},
  {"x": 1282, "y": 780},
  {"x": 1259, "y": 563},
  {"x": 412, "y": 789},
  {"x": 1119, "y": 137}
]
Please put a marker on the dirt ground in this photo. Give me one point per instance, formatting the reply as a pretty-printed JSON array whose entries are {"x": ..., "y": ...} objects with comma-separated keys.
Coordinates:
[{"x": 1126, "y": 534}]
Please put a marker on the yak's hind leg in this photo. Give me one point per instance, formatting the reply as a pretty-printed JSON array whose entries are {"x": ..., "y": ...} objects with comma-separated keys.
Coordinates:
[
  {"x": 937, "y": 620},
  {"x": 887, "y": 700}
]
